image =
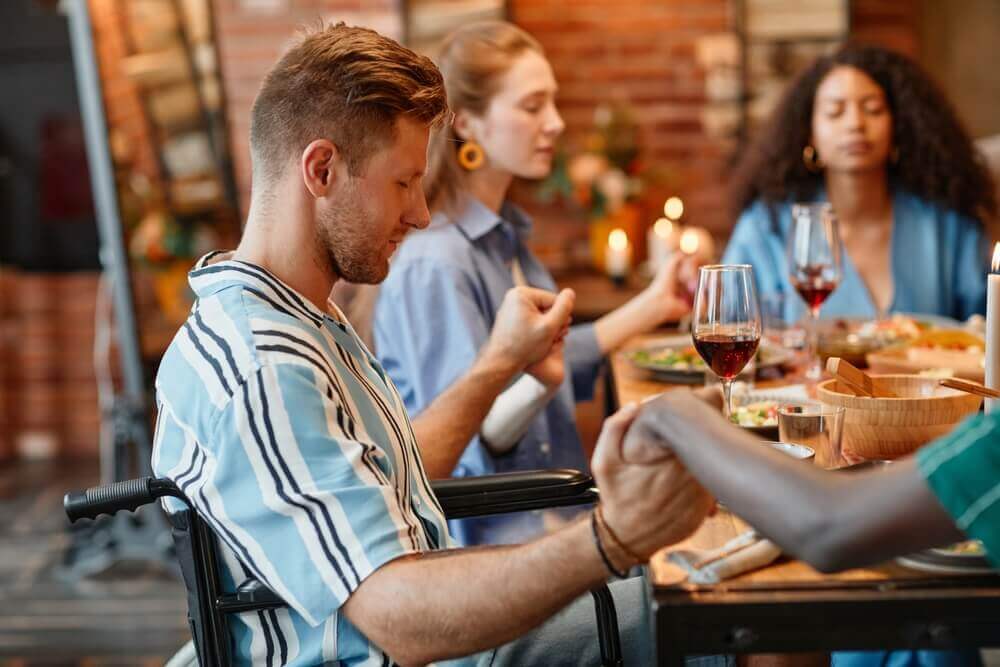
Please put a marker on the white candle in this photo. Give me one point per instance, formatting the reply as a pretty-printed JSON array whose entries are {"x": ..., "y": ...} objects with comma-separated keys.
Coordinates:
[
  {"x": 618, "y": 254},
  {"x": 993, "y": 328},
  {"x": 662, "y": 242}
]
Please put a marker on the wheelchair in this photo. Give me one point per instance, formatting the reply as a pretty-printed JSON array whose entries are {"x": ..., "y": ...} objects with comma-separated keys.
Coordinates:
[{"x": 209, "y": 606}]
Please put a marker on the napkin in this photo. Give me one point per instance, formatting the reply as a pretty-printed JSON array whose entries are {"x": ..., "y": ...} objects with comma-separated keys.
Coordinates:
[{"x": 741, "y": 554}]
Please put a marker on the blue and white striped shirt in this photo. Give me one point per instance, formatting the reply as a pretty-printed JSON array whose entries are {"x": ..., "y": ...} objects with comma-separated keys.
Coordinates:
[{"x": 295, "y": 447}]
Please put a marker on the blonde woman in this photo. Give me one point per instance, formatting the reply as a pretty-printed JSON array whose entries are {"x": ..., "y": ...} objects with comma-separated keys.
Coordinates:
[{"x": 437, "y": 307}]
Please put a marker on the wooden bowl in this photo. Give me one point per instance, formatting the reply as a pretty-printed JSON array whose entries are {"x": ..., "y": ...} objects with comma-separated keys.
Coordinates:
[{"x": 887, "y": 428}]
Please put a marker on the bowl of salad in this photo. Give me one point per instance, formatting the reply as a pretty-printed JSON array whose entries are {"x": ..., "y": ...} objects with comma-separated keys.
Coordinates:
[{"x": 759, "y": 417}]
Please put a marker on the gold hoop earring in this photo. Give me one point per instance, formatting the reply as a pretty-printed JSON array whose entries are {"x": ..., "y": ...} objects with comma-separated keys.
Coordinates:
[
  {"x": 471, "y": 156},
  {"x": 811, "y": 159}
]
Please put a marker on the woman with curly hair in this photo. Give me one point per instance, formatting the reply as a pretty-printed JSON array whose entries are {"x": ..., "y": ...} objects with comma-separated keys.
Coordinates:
[{"x": 867, "y": 130}]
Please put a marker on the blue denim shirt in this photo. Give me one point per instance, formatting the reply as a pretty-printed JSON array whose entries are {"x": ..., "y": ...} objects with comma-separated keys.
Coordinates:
[
  {"x": 939, "y": 262},
  {"x": 434, "y": 313}
]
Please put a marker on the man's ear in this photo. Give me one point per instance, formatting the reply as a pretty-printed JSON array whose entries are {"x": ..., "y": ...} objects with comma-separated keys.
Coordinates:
[{"x": 320, "y": 164}]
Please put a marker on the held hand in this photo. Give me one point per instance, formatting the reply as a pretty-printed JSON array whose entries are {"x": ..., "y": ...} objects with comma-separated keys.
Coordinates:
[
  {"x": 550, "y": 371},
  {"x": 650, "y": 438},
  {"x": 529, "y": 322},
  {"x": 651, "y": 504},
  {"x": 671, "y": 293}
]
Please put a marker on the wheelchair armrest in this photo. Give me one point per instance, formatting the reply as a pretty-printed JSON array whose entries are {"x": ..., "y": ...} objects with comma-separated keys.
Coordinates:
[
  {"x": 513, "y": 492},
  {"x": 250, "y": 596}
]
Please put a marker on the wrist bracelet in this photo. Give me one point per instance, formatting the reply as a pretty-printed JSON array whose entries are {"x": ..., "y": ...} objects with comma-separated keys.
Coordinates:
[
  {"x": 614, "y": 538},
  {"x": 600, "y": 548}
]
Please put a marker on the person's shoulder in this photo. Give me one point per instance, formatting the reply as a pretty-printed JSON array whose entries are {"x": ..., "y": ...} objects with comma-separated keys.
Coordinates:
[
  {"x": 916, "y": 208},
  {"x": 228, "y": 337},
  {"x": 441, "y": 249},
  {"x": 209, "y": 359},
  {"x": 442, "y": 239},
  {"x": 760, "y": 218}
]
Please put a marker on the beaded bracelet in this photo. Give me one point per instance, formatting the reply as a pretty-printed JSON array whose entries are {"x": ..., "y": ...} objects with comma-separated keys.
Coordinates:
[{"x": 600, "y": 548}]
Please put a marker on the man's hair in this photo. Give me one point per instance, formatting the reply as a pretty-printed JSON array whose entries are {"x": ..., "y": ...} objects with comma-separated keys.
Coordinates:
[{"x": 345, "y": 84}]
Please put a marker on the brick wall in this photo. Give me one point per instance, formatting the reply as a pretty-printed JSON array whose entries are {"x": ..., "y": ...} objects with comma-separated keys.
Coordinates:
[
  {"x": 644, "y": 53},
  {"x": 638, "y": 51},
  {"x": 126, "y": 120},
  {"x": 253, "y": 33},
  {"x": 891, "y": 23}
]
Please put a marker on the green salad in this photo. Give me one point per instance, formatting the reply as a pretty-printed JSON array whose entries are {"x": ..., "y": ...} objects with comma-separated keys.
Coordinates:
[
  {"x": 762, "y": 413},
  {"x": 675, "y": 358}
]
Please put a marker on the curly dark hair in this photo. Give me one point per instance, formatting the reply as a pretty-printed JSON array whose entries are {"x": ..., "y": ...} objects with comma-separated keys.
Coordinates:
[{"x": 939, "y": 162}]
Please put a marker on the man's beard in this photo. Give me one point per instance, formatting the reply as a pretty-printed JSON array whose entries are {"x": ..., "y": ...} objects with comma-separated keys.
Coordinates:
[{"x": 343, "y": 248}]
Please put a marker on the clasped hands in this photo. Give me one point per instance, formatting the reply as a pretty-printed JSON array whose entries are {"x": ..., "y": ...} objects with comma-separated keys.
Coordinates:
[{"x": 649, "y": 498}]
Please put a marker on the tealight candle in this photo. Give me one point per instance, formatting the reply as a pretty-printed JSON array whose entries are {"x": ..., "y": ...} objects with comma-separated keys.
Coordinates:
[
  {"x": 617, "y": 255},
  {"x": 993, "y": 328},
  {"x": 697, "y": 241}
]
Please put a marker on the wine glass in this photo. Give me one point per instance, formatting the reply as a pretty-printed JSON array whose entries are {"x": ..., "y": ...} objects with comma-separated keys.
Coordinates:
[
  {"x": 726, "y": 322},
  {"x": 814, "y": 252}
]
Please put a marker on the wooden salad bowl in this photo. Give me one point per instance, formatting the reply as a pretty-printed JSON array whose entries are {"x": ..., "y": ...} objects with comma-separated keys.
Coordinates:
[{"x": 888, "y": 428}]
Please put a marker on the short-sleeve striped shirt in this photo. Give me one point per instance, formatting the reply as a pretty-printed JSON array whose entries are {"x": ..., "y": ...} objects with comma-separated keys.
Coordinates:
[
  {"x": 963, "y": 471},
  {"x": 294, "y": 446}
]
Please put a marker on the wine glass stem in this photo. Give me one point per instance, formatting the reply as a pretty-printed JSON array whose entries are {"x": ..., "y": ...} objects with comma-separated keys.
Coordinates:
[
  {"x": 814, "y": 365},
  {"x": 727, "y": 396}
]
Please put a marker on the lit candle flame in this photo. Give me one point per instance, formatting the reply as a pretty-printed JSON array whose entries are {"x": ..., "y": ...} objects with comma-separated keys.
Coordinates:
[
  {"x": 690, "y": 241},
  {"x": 663, "y": 228},
  {"x": 995, "y": 265},
  {"x": 673, "y": 208},
  {"x": 618, "y": 239}
]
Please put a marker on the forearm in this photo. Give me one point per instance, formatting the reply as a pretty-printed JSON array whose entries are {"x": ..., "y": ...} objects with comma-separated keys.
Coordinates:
[
  {"x": 451, "y": 604},
  {"x": 635, "y": 317},
  {"x": 446, "y": 426},
  {"x": 833, "y": 521}
]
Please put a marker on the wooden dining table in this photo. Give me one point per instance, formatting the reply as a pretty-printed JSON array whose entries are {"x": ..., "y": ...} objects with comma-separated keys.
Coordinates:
[{"x": 789, "y": 607}]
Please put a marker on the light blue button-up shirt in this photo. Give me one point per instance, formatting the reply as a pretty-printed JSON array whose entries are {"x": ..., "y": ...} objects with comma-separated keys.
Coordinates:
[
  {"x": 939, "y": 262},
  {"x": 434, "y": 313}
]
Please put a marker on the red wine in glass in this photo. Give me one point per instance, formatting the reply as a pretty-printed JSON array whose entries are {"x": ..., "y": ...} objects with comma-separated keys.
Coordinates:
[
  {"x": 726, "y": 354},
  {"x": 814, "y": 291}
]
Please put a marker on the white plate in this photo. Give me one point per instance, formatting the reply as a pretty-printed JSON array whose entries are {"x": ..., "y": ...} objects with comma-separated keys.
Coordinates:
[
  {"x": 915, "y": 562},
  {"x": 775, "y": 356}
]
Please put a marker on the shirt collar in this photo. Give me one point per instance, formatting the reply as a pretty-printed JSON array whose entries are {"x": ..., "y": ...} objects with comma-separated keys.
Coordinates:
[
  {"x": 476, "y": 220},
  {"x": 213, "y": 273}
]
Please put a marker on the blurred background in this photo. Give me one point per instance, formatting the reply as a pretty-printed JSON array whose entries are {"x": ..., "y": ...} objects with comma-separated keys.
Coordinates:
[{"x": 659, "y": 97}]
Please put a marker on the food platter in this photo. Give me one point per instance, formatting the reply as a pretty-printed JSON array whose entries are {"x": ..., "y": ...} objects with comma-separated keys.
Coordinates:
[
  {"x": 676, "y": 361},
  {"x": 958, "y": 353}
]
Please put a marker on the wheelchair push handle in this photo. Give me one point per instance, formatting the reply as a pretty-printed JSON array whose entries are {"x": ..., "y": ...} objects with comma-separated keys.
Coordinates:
[{"x": 127, "y": 495}]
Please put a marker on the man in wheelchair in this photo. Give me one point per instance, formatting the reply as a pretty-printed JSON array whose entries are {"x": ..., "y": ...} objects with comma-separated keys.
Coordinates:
[{"x": 294, "y": 446}]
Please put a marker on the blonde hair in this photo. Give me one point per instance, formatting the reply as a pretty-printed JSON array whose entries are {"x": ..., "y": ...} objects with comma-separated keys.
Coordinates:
[{"x": 472, "y": 60}]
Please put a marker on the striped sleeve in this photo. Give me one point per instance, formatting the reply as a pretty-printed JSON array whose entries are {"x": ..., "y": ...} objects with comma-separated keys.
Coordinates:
[
  {"x": 300, "y": 494},
  {"x": 963, "y": 471}
]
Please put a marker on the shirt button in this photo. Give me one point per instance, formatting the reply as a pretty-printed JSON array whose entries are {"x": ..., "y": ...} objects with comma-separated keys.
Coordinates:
[{"x": 545, "y": 448}]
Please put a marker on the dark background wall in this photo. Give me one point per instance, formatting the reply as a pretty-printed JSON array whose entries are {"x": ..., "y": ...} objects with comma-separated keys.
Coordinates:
[{"x": 38, "y": 90}]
